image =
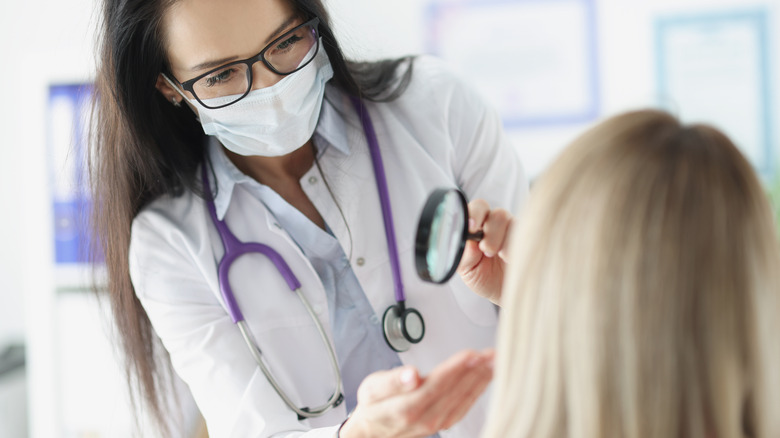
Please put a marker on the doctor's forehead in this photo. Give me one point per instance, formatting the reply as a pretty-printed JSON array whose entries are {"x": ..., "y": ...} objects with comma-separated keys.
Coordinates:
[{"x": 198, "y": 31}]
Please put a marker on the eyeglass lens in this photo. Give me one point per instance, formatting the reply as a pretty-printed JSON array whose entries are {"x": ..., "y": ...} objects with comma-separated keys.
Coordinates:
[{"x": 288, "y": 54}]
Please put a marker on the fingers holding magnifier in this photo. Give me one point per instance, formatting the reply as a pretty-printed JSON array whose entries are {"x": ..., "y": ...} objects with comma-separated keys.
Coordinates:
[
  {"x": 478, "y": 213},
  {"x": 479, "y": 267},
  {"x": 493, "y": 223},
  {"x": 496, "y": 230}
]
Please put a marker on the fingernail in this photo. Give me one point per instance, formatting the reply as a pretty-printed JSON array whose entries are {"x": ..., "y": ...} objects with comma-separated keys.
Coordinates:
[
  {"x": 485, "y": 251},
  {"x": 474, "y": 361},
  {"x": 408, "y": 377},
  {"x": 472, "y": 225}
]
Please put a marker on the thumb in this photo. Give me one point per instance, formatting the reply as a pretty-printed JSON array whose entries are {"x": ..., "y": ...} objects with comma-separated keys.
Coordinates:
[
  {"x": 471, "y": 257},
  {"x": 384, "y": 384}
]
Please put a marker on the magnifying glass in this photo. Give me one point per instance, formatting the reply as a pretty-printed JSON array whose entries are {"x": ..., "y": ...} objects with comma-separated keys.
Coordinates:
[{"x": 442, "y": 234}]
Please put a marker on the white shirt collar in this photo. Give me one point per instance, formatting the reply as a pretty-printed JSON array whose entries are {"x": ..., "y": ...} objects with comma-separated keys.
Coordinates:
[{"x": 331, "y": 130}]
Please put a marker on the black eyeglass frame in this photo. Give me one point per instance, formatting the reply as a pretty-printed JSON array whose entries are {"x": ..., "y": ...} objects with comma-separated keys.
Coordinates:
[{"x": 314, "y": 22}]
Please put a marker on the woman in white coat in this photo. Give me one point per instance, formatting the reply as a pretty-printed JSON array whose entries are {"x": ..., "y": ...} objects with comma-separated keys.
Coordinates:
[{"x": 246, "y": 112}]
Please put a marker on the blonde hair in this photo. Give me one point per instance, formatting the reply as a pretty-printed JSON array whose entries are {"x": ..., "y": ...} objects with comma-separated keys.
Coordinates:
[{"x": 643, "y": 292}]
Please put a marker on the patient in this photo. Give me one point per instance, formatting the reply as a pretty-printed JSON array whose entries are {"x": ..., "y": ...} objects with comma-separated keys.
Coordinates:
[{"x": 644, "y": 293}]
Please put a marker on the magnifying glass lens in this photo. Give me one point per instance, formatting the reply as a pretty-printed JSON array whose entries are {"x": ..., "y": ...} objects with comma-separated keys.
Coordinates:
[
  {"x": 441, "y": 235},
  {"x": 445, "y": 236}
]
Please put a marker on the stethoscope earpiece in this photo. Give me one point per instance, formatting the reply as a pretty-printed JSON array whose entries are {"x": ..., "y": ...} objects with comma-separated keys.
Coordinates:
[{"x": 402, "y": 327}]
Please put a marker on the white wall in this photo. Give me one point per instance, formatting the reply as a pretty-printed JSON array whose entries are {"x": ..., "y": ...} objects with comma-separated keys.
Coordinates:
[{"x": 49, "y": 41}]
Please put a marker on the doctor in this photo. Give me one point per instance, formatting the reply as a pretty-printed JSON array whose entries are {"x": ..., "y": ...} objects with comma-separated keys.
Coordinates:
[{"x": 241, "y": 118}]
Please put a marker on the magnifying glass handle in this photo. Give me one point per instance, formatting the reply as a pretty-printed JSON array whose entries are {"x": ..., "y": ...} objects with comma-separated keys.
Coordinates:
[{"x": 475, "y": 236}]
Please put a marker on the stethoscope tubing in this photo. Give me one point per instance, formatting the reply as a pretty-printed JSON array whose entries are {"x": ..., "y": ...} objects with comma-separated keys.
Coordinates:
[
  {"x": 234, "y": 249},
  {"x": 395, "y": 317},
  {"x": 384, "y": 197},
  {"x": 257, "y": 354}
]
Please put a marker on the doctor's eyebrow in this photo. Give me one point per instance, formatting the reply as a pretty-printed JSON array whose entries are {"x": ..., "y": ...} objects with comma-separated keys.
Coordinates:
[{"x": 217, "y": 62}]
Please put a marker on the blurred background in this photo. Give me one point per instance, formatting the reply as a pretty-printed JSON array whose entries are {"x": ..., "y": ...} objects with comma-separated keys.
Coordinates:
[{"x": 551, "y": 67}]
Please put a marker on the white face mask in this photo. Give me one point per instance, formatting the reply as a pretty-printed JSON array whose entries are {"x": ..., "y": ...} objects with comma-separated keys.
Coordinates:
[{"x": 271, "y": 121}]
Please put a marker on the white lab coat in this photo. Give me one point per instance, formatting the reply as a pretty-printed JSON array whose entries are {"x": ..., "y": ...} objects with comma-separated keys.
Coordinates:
[{"x": 438, "y": 134}]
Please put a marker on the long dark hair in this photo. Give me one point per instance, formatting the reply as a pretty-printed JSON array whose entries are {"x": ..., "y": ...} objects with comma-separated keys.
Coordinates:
[{"x": 143, "y": 147}]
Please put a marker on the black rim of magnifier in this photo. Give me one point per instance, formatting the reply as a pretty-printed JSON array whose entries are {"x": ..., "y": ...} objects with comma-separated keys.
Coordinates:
[{"x": 424, "y": 231}]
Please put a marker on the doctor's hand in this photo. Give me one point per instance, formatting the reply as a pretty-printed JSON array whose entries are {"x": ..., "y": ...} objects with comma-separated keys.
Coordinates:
[
  {"x": 399, "y": 403},
  {"x": 483, "y": 263}
]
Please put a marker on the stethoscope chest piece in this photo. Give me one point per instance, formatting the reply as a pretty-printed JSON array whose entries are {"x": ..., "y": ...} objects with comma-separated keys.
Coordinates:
[{"x": 402, "y": 327}]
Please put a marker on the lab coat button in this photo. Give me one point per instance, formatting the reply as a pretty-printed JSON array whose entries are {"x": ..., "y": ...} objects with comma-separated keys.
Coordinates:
[
  {"x": 312, "y": 180},
  {"x": 360, "y": 261},
  {"x": 374, "y": 319}
]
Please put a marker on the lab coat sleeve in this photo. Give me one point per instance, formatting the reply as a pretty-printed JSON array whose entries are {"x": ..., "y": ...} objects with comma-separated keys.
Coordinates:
[
  {"x": 206, "y": 349},
  {"x": 486, "y": 165}
]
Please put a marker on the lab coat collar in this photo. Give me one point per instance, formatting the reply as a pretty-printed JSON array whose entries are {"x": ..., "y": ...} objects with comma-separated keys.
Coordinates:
[
  {"x": 335, "y": 119},
  {"x": 332, "y": 130}
]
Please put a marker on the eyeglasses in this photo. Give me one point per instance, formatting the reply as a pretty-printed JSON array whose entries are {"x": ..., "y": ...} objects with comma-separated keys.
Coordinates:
[{"x": 227, "y": 84}]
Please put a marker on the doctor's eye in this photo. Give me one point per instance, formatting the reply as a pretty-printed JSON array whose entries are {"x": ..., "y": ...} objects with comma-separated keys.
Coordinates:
[
  {"x": 220, "y": 77},
  {"x": 287, "y": 44}
]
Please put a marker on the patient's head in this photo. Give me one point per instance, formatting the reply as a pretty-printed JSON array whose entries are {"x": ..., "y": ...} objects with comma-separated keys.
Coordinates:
[{"x": 644, "y": 292}]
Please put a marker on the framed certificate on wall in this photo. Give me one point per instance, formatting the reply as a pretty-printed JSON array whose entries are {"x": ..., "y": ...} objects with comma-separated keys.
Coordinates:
[
  {"x": 534, "y": 60},
  {"x": 715, "y": 68}
]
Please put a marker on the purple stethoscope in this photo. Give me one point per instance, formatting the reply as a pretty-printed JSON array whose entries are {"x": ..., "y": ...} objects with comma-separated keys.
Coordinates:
[{"x": 402, "y": 326}]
